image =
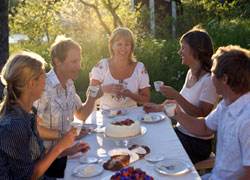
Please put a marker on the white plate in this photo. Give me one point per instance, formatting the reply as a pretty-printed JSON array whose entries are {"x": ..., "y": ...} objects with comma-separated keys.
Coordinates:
[
  {"x": 90, "y": 127},
  {"x": 107, "y": 177},
  {"x": 143, "y": 131},
  {"x": 78, "y": 171},
  {"x": 173, "y": 167},
  {"x": 154, "y": 157},
  {"x": 107, "y": 113},
  {"x": 88, "y": 159},
  {"x": 155, "y": 117}
]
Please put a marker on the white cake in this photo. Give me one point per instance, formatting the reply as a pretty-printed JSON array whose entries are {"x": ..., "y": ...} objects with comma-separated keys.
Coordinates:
[
  {"x": 90, "y": 169},
  {"x": 123, "y": 129},
  {"x": 147, "y": 117}
]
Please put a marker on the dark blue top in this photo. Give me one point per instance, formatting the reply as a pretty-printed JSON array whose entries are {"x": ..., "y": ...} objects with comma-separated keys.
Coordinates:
[{"x": 20, "y": 144}]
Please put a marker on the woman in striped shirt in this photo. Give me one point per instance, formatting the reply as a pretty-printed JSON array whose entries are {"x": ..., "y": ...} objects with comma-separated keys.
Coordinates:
[{"x": 22, "y": 154}]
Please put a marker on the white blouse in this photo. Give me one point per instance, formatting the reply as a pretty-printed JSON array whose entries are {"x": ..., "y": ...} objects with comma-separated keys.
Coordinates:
[
  {"x": 138, "y": 80},
  {"x": 203, "y": 90}
]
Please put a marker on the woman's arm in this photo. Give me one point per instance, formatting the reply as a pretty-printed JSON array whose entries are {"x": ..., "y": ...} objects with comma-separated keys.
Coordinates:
[
  {"x": 43, "y": 164},
  {"x": 202, "y": 110},
  {"x": 109, "y": 88},
  {"x": 142, "y": 97}
]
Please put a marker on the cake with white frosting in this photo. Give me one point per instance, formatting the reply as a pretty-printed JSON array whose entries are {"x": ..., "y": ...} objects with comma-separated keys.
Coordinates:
[{"x": 123, "y": 129}]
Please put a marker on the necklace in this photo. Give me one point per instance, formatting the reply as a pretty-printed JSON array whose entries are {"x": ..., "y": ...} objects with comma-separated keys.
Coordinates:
[{"x": 192, "y": 78}]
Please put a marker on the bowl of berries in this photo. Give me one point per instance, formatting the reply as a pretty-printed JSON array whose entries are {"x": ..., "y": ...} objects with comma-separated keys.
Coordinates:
[{"x": 129, "y": 173}]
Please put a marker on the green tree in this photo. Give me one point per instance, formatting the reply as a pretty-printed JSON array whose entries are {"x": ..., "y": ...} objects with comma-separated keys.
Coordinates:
[{"x": 37, "y": 19}]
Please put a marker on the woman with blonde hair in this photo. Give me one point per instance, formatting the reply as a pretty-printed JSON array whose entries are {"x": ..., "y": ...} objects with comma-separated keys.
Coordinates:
[
  {"x": 22, "y": 153},
  {"x": 124, "y": 81}
]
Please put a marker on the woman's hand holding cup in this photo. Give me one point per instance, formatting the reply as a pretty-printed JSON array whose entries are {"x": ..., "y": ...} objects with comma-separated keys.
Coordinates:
[{"x": 68, "y": 139}]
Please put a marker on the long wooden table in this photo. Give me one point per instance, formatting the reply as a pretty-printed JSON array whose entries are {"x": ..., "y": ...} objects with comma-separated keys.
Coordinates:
[{"x": 160, "y": 138}]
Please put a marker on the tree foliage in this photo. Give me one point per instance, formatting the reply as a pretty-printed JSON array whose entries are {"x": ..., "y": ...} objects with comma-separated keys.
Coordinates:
[
  {"x": 98, "y": 16},
  {"x": 36, "y": 19}
]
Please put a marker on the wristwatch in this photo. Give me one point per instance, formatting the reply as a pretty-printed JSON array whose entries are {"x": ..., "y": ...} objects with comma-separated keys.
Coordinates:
[{"x": 60, "y": 135}]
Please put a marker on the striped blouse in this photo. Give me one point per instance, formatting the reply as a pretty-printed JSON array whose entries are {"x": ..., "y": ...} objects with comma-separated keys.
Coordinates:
[{"x": 20, "y": 144}]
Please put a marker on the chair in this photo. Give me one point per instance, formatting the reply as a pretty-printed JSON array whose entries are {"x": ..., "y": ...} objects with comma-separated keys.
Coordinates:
[{"x": 202, "y": 166}]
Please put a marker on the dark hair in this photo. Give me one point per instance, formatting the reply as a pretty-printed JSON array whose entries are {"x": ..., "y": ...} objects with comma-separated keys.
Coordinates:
[
  {"x": 234, "y": 62},
  {"x": 201, "y": 46}
]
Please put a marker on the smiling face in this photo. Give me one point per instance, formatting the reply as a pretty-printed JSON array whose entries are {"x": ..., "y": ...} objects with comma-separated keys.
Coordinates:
[
  {"x": 121, "y": 48},
  {"x": 70, "y": 67},
  {"x": 186, "y": 53}
]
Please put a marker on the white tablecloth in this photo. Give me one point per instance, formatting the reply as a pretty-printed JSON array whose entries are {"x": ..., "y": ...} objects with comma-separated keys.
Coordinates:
[{"x": 160, "y": 138}]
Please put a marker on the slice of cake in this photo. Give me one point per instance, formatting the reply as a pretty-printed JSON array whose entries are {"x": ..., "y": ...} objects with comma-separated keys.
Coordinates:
[
  {"x": 123, "y": 129},
  {"x": 147, "y": 117},
  {"x": 131, "y": 173},
  {"x": 115, "y": 112},
  {"x": 115, "y": 163},
  {"x": 89, "y": 170},
  {"x": 122, "y": 157}
]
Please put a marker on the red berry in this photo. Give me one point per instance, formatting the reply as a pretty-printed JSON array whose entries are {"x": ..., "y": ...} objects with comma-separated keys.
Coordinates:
[{"x": 125, "y": 173}]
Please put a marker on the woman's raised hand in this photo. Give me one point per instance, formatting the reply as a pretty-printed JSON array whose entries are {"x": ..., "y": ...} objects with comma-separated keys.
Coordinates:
[
  {"x": 82, "y": 147},
  {"x": 113, "y": 88},
  {"x": 151, "y": 107},
  {"x": 68, "y": 139},
  {"x": 168, "y": 92}
]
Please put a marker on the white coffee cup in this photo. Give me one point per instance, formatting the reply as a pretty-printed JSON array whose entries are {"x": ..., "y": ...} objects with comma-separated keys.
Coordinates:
[
  {"x": 158, "y": 84},
  {"x": 169, "y": 109},
  {"x": 78, "y": 126},
  {"x": 93, "y": 90}
]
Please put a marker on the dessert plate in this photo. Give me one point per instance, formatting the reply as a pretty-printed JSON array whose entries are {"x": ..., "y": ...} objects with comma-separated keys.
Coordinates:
[
  {"x": 173, "y": 167},
  {"x": 119, "y": 111},
  {"x": 88, "y": 159},
  {"x": 154, "y": 157},
  {"x": 85, "y": 170},
  {"x": 155, "y": 117}
]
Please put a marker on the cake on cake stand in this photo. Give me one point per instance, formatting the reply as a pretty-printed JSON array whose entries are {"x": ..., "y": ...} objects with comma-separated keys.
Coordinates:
[{"x": 124, "y": 142}]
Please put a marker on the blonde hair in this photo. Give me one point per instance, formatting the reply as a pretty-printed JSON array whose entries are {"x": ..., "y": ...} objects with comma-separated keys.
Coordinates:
[
  {"x": 126, "y": 33},
  {"x": 59, "y": 49},
  {"x": 19, "y": 69}
]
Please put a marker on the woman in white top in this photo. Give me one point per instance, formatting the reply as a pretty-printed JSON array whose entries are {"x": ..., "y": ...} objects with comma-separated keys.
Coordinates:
[
  {"x": 124, "y": 81},
  {"x": 198, "y": 95}
]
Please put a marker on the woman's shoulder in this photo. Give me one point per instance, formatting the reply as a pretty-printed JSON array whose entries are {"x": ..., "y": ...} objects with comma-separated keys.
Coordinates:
[
  {"x": 103, "y": 61},
  {"x": 12, "y": 124},
  {"x": 102, "y": 64},
  {"x": 206, "y": 77},
  {"x": 12, "y": 120},
  {"x": 139, "y": 66}
]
